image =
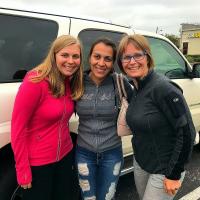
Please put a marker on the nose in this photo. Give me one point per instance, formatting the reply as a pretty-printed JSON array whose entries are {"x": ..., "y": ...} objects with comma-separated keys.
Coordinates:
[
  {"x": 101, "y": 62},
  {"x": 70, "y": 59},
  {"x": 132, "y": 60}
]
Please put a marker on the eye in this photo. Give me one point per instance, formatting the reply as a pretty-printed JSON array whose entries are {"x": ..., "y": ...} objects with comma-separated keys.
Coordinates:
[
  {"x": 65, "y": 55},
  {"x": 127, "y": 57},
  {"x": 76, "y": 56},
  {"x": 97, "y": 56},
  {"x": 108, "y": 59},
  {"x": 138, "y": 55}
]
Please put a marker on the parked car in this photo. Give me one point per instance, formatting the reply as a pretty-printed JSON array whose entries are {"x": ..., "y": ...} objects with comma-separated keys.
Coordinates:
[{"x": 24, "y": 39}]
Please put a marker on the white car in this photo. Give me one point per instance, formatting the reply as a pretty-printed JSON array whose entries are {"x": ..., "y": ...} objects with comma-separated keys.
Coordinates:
[{"x": 24, "y": 39}]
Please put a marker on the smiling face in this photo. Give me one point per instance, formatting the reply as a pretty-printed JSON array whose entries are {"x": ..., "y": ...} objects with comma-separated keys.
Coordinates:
[
  {"x": 133, "y": 68},
  {"x": 101, "y": 62},
  {"x": 68, "y": 60}
]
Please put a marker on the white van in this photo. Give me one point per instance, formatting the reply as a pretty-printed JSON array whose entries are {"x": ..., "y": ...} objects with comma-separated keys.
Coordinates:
[{"x": 24, "y": 39}]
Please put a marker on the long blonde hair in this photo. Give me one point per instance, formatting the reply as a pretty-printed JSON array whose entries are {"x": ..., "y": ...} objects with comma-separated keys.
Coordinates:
[{"x": 48, "y": 69}]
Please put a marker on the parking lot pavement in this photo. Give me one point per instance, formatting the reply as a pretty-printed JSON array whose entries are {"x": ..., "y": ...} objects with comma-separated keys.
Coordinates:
[
  {"x": 126, "y": 188},
  {"x": 189, "y": 191}
]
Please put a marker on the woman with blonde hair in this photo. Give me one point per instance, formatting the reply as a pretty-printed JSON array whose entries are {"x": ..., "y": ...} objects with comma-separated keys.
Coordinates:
[
  {"x": 40, "y": 135},
  {"x": 160, "y": 120}
]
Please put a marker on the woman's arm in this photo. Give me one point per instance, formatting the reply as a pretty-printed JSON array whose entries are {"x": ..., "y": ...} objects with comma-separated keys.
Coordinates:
[
  {"x": 172, "y": 103},
  {"x": 26, "y": 103}
]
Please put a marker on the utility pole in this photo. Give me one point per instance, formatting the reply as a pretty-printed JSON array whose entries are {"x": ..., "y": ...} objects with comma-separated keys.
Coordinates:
[{"x": 157, "y": 29}]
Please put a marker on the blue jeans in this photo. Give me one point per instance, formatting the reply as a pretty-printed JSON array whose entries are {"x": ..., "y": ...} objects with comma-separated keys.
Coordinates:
[{"x": 98, "y": 172}]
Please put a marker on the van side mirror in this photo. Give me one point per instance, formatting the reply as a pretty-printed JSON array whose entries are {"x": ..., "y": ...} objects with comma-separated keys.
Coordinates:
[
  {"x": 20, "y": 74},
  {"x": 196, "y": 70},
  {"x": 175, "y": 73}
]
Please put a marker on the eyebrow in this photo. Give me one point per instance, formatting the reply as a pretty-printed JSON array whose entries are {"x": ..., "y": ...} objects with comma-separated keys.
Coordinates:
[{"x": 102, "y": 54}]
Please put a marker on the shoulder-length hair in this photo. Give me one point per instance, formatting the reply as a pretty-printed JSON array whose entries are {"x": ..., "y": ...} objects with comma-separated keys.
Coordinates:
[
  {"x": 48, "y": 69},
  {"x": 140, "y": 42}
]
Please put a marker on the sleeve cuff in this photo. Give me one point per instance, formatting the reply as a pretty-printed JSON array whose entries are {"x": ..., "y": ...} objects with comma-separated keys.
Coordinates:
[
  {"x": 175, "y": 174},
  {"x": 24, "y": 177}
]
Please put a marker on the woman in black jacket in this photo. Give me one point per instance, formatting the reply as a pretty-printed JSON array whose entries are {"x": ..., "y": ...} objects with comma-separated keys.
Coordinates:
[{"x": 160, "y": 119}]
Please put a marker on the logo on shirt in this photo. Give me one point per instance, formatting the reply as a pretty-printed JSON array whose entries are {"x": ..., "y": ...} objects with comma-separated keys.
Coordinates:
[{"x": 176, "y": 99}]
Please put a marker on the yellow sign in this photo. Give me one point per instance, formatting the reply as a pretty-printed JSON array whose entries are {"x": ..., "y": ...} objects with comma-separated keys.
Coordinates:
[{"x": 194, "y": 35}]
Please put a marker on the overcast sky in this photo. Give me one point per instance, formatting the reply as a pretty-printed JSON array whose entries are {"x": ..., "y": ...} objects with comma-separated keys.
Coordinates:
[{"x": 167, "y": 15}]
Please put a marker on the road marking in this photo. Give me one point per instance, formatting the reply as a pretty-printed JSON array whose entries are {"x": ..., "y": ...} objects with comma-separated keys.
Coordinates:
[{"x": 194, "y": 195}]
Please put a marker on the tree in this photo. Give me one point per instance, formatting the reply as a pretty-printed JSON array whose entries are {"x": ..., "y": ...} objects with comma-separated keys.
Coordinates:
[{"x": 175, "y": 39}]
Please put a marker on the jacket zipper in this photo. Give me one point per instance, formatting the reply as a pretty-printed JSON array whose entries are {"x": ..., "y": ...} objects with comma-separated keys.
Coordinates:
[
  {"x": 60, "y": 131},
  {"x": 95, "y": 104}
]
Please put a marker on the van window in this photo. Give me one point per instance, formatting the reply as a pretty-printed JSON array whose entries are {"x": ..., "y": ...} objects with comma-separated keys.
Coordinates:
[
  {"x": 23, "y": 44},
  {"x": 167, "y": 60},
  {"x": 89, "y": 36}
]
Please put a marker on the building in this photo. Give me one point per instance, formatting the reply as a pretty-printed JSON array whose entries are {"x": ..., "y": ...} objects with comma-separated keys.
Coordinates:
[{"x": 190, "y": 39}]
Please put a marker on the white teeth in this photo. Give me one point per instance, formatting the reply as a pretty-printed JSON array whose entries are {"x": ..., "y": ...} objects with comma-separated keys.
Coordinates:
[
  {"x": 68, "y": 67},
  {"x": 100, "y": 69},
  {"x": 134, "y": 68}
]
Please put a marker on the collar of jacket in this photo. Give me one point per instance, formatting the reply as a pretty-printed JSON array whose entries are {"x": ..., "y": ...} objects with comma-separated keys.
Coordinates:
[
  {"x": 87, "y": 78},
  {"x": 142, "y": 82}
]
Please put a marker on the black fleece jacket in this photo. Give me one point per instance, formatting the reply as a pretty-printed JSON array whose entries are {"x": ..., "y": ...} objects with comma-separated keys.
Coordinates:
[{"x": 163, "y": 131}]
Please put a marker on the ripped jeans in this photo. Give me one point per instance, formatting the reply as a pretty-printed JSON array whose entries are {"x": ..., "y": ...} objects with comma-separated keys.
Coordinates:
[{"x": 99, "y": 172}]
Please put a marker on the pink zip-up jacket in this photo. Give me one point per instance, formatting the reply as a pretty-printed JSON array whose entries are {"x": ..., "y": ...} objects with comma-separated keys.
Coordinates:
[{"x": 39, "y": 127}]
